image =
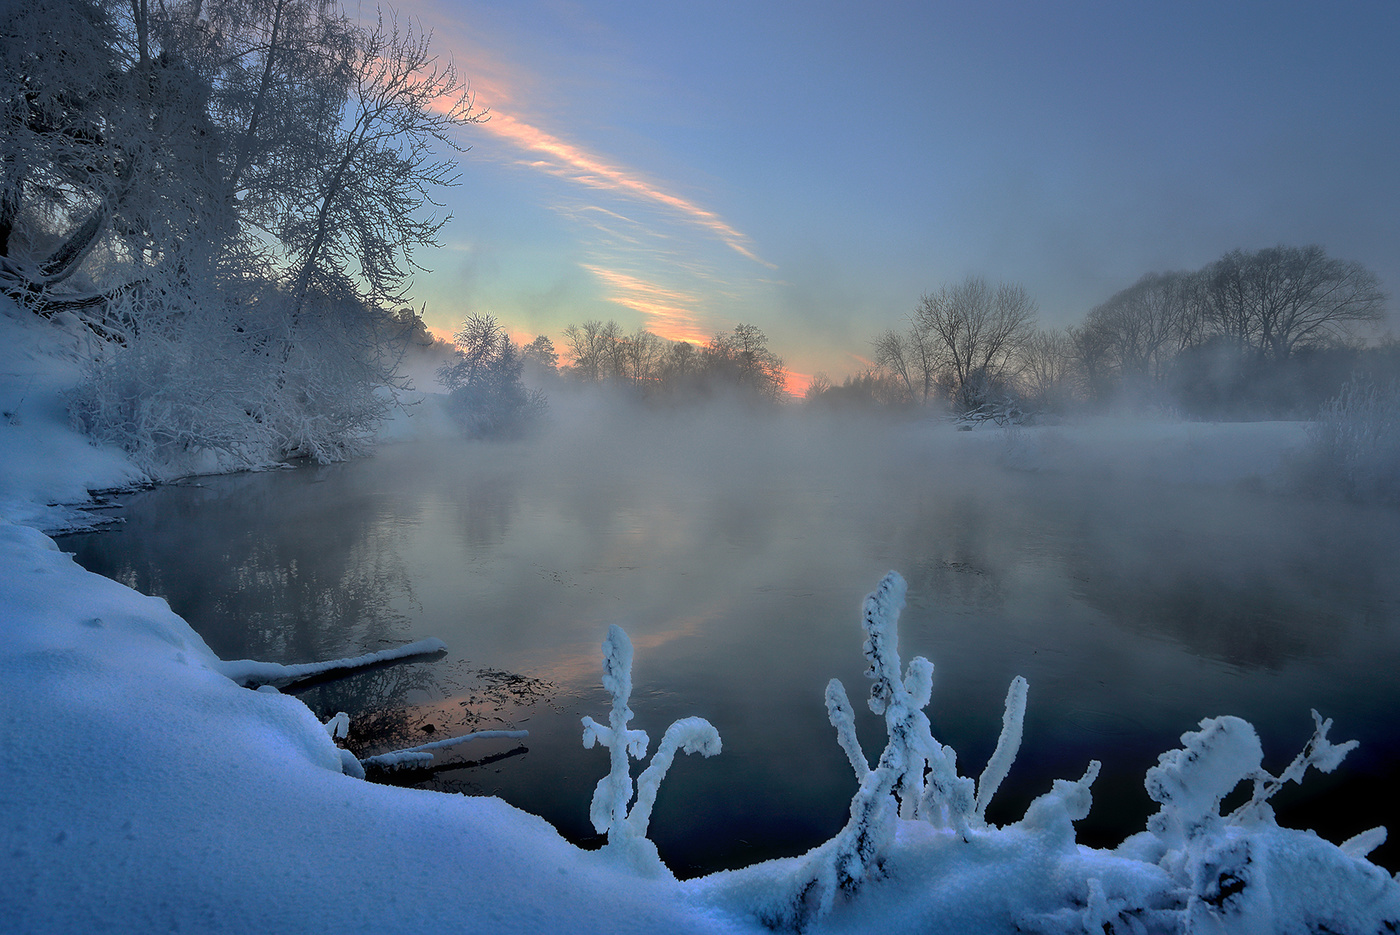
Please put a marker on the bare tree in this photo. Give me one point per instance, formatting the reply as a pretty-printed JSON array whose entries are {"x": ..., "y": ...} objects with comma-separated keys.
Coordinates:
[
  {"x": 593, "y": 347},
  {"x": 366, "y": 219},
  {"x": 976, "y": 330},
  {"x": 1271, "y": 302},
  {"x": 642, "y": 354},
  {"x": 742, "y": 358},
  {"x": 1047, "y": 368},
  {"x": 1139, "y": 330}
]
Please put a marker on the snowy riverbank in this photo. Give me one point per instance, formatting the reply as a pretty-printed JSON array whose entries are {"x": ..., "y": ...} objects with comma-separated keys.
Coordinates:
[{"x": 144, "y": 790}]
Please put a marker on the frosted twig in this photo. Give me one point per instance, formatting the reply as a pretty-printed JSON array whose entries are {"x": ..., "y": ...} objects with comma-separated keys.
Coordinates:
[
  {"x": 838, "y": 711},
  {"x": 609, "y": 809},
  {"x": 1318, "y": 752},
  {"x": 1012, "y": 722}
]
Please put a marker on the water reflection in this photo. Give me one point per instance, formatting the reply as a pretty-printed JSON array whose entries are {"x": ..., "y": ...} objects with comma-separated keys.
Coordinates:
[
  {"x": 335, "y": 566},
  {"x": 736, "y": 555}
]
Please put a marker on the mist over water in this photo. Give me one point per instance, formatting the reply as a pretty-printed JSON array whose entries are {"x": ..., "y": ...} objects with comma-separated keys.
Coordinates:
[{"x": 735, "y": 548}]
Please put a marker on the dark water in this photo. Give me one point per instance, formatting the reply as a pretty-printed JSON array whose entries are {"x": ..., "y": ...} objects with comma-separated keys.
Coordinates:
[{"x": 736, "y": 552}]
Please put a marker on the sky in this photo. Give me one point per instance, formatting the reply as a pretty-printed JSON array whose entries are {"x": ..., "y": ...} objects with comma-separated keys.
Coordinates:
[{"x": 815, "y": 168}]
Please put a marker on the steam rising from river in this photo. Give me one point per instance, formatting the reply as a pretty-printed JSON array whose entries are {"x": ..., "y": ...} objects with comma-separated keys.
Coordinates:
[{"x": 1141, "y": 576}]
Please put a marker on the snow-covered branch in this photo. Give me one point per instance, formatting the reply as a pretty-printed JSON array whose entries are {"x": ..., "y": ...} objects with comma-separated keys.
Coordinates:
[
  {"x": 251, "y": 673},
  {"x": 422, "y": 754}
]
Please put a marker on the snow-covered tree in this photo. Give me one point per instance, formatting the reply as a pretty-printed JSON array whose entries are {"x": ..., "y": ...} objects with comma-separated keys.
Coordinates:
[{"x": 486, "y": 394}]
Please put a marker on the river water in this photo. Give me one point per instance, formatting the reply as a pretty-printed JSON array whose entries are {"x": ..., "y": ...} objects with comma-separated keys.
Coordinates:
[{"x": 735, "y": 551}]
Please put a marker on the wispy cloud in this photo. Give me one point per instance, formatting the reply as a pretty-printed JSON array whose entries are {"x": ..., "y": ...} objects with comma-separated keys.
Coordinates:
[
  {"x": 570, "y": 161},
  {"x": 670, "y": 313}
]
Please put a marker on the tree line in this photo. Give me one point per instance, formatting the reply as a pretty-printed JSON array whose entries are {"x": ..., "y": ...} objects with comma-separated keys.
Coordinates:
[{"x": 1268, "y": 332}]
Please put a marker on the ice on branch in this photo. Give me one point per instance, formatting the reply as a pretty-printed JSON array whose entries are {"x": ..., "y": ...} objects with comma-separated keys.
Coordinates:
[
  {"x": 1012, "y": 723},
  {"x": 609, "y": 812}
]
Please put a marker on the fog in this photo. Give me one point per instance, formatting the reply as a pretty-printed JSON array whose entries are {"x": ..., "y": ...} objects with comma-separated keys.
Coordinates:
[{"x": 1141, "y": 576}]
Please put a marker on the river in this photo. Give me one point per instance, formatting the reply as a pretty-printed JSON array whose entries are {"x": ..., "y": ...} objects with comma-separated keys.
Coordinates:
[{"x": 735, "y": 550}]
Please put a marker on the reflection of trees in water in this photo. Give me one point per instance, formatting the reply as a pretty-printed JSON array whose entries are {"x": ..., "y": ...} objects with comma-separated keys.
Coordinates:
[
  {"x": 1253, "y": 583},
  {"x": 1247, "y": 578},
  {"x": 282, "y": 570},
  {"x": 403, "y": 706},
  {"x": 485, "y": 509}
]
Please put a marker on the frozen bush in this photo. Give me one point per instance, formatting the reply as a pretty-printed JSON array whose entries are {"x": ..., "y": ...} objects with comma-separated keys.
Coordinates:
[
  {"x": 1354, "y": 444},
  {"x": 916, "y": 777},
  {"x": 201, "y": 381}
]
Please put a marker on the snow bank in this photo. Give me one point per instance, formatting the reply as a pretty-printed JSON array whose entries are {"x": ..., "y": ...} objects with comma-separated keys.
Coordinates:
[{"x": 46, "y": 468}]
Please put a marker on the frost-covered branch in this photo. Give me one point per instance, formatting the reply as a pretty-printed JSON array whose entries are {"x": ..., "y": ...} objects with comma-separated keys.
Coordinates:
[
  {"x": 609, "y": 812},
  {"x": 251, "y": 673},
  {"x": 1012, "y": 722},
  {"x": 1318, "y": 752},
  {"x": 422, "y": 754}
]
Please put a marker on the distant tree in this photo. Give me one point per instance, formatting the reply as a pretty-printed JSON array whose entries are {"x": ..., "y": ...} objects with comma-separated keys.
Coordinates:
[
  {"x": 742, "y": 358},
  {"x": 642, "y": 353},
  {"x": 680, "y": 366},
  {"x": 1047, "y": 369},
  {"x": 1272, "y": 302},
  {"x": 1136, "y": 335},
  {"x": 485, "y": 392},
  {"x": 593, "y": 349},
  {"x": 976, "y": 331},
  {"x": 541, "y": 353},
  {"x": 869, "y": 389},
  {"x": 818, "y": 386}
]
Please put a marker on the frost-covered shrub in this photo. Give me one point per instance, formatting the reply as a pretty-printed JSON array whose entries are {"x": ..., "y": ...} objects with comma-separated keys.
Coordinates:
[
  {"x": 916, "y": 777},
  {"x": 1193, "y": 871},
  {"x": 206, "y": 381},
  {"x": 609, "y": 812},
  {"x": 1355, "y": 442},
  {"x": 1241, "y": 872}
]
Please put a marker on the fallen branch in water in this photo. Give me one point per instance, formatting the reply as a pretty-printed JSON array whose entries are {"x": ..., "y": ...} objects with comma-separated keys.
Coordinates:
[
  {"x": 422, "y": 754},
  {"x": 251, "y": 673}
]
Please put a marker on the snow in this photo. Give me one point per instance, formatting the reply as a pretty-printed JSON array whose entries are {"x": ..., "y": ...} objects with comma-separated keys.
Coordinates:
[{"x": 143, "y": 789}]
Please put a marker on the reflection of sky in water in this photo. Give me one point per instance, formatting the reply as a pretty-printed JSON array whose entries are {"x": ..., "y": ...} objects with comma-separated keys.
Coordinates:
[{"x": 736, "y": 556}]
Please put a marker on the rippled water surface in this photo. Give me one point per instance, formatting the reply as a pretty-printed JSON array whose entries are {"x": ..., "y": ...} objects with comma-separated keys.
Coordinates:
[{"x": 735, "y": 552}]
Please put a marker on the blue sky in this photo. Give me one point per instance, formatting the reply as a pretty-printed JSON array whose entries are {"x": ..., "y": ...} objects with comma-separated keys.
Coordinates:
[{"x": 814, "y": 168}]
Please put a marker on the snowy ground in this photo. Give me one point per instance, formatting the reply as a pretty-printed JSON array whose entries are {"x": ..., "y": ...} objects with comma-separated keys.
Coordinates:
[{"x": 142, "y": 789}]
